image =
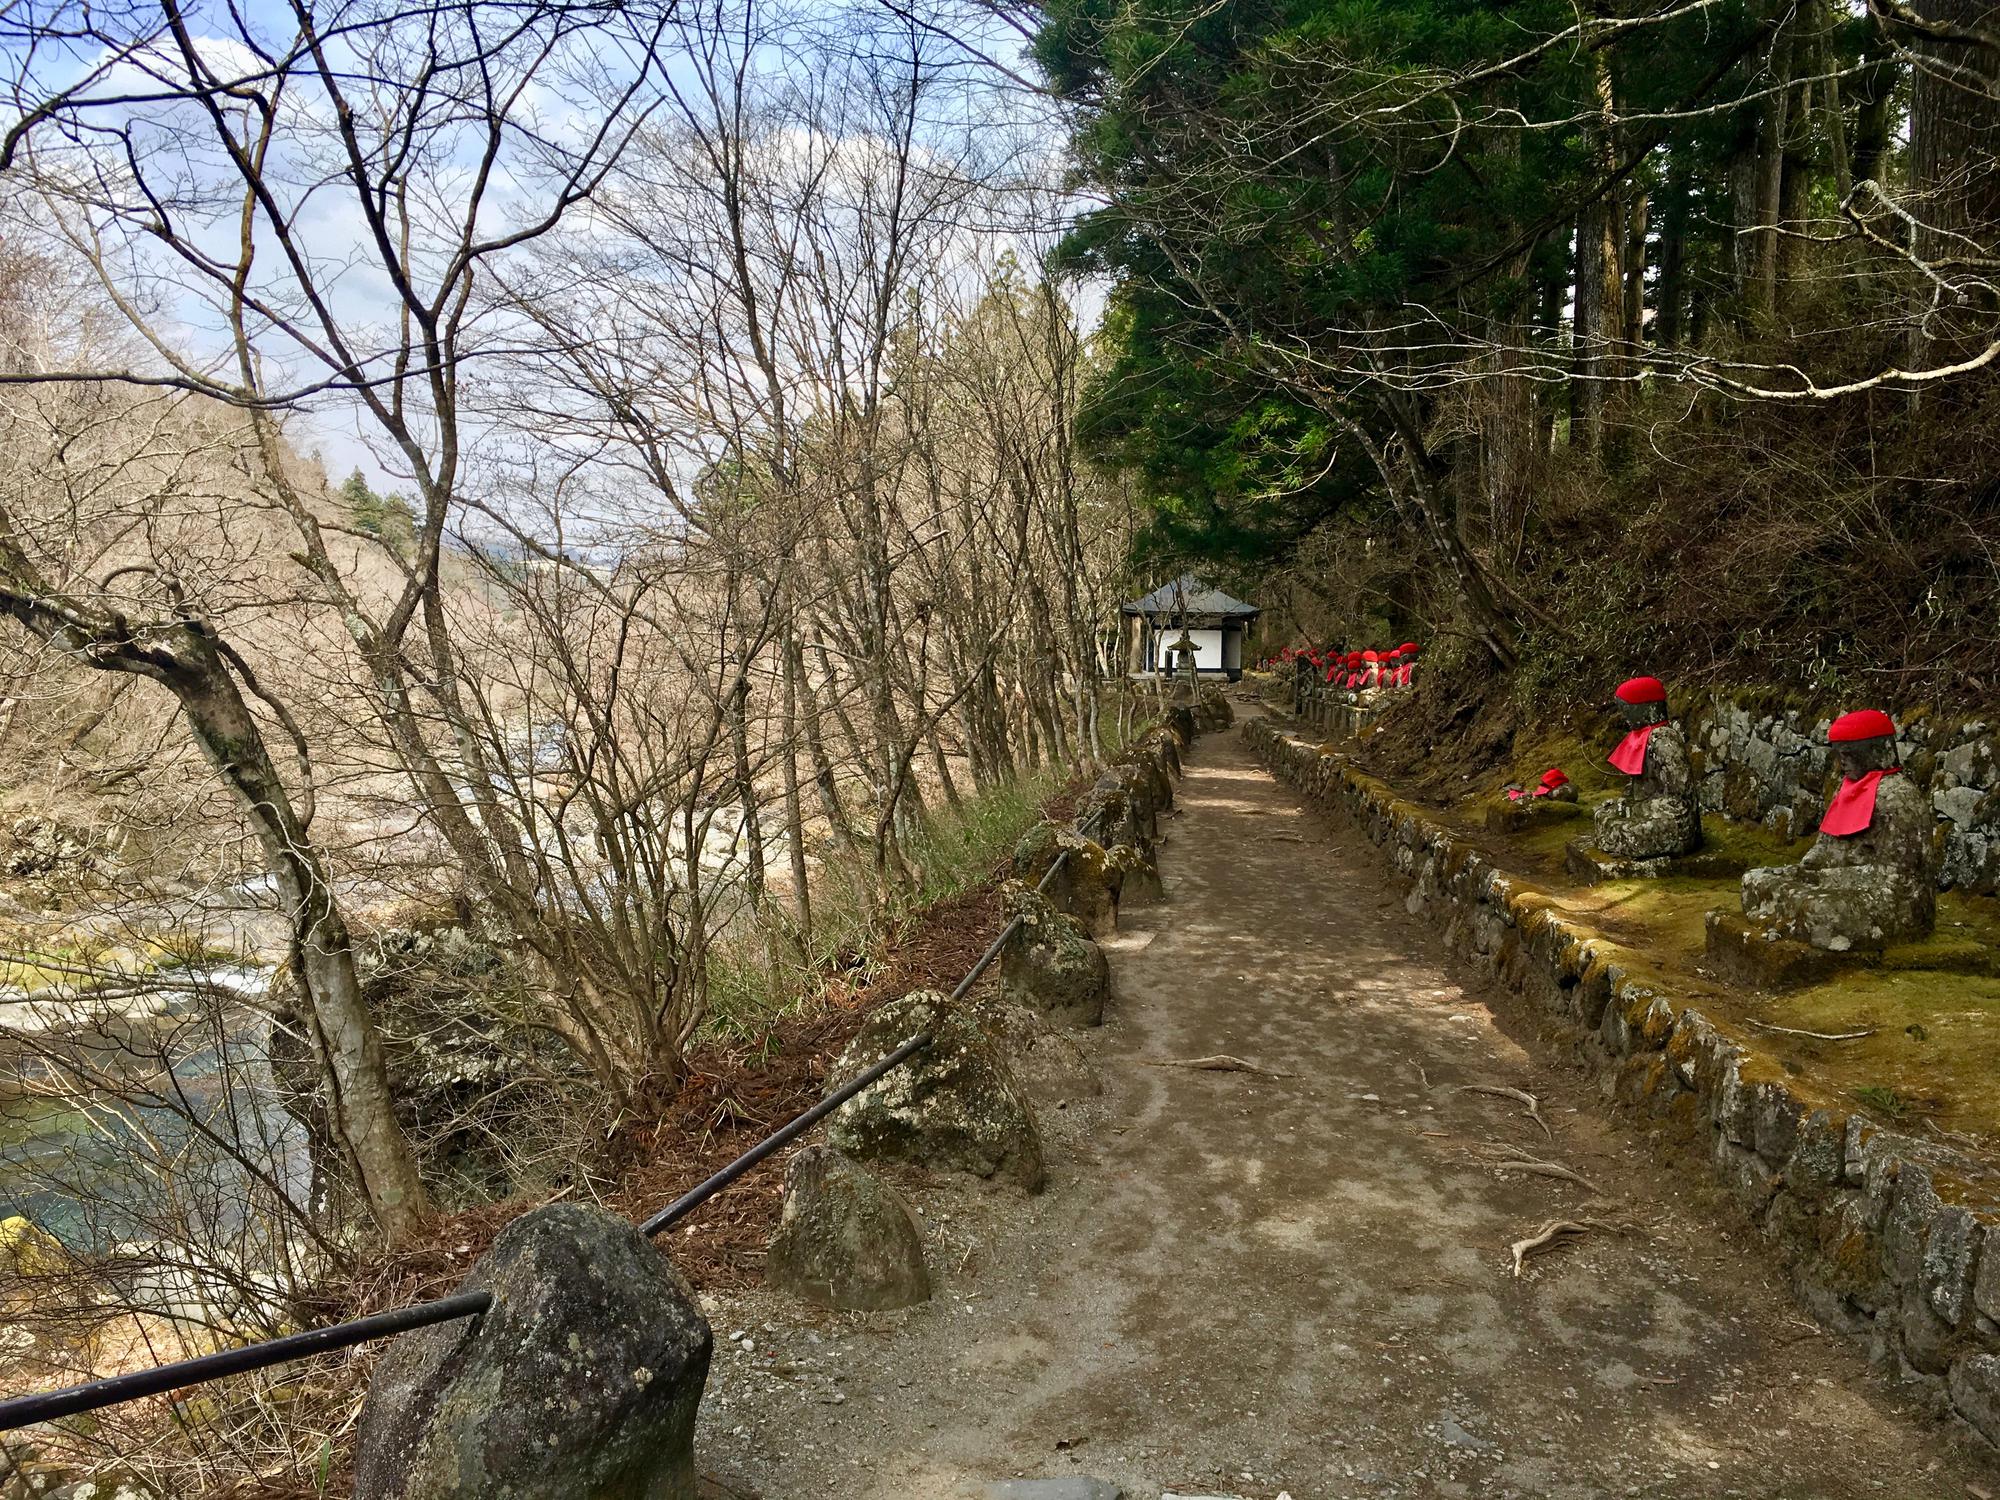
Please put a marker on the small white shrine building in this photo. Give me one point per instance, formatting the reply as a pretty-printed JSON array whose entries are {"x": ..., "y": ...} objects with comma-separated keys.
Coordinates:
[{"x": 1211, "y": 619}]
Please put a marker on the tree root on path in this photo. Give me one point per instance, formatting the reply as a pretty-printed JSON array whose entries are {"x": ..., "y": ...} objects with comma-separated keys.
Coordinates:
[
  {"x": 1547, "y": 1169},
  {"x": 1220, "y": 1062},
  {"x": 1521, "y": 1096},
  {"x": 1555, "y": 1232}
]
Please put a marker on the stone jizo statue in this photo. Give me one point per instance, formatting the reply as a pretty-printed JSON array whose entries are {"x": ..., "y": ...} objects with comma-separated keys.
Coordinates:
[
  {"x": 1658, "y": 815},
  {"x": 1867, "y": 881},
  {"x": 1555, "y": 786}
]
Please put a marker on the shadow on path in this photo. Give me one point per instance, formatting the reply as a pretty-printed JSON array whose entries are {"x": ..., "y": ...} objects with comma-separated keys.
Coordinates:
[{"x": 1243, "y": 1284}]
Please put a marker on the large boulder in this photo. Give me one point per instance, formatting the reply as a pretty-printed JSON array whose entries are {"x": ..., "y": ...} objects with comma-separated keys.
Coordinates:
[
  {"x": 27, "y": 1249},
  {"x": 1212, "y": 710},
  {"x": 43, "y": 844},
  {"x": 1087, "y": 886},
  {"x": 476, "y": 1082},
  {"x": 845, "y": 1240},
  {"x": 1110, "y": 815},
  {"x": 581, "y": 1382},
  {"x": 954, "y": 1106},
  {"x": 1050, "y": 964}
]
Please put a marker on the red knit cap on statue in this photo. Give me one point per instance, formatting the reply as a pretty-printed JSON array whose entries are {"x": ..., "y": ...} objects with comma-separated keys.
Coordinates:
[
  {"x": 1408, "y": 648},
  {"x": 1862, "y": 724},
  {"x": 1641, "y": 690},
  {"x": 1354, "y": 658}
]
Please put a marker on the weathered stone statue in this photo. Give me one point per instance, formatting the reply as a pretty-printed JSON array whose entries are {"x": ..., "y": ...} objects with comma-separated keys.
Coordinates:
[
  {"x": 1555, "y": 785},
  {"x": 1867, "y": 881},
  {"x": 1659, "y": 813}
]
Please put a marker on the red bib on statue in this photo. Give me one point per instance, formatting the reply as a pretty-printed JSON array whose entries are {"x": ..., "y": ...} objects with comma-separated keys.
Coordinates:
[
  {"x": 1853, "y": 806},
  {"x": 1630, "y": 756}
]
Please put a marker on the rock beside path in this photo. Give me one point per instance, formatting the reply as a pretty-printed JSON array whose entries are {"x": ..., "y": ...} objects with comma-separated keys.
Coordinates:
[
  {"x": 1050, "y": 964},
  {"x": 1087, "y": 886},
  {"x": 581, "y": 1383},
  {"x": 953, "y": 1107},
  {"x": 846, "y": 1239}
]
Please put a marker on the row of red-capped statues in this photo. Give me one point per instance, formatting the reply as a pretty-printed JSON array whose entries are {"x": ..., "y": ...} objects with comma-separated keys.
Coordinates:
[
  {"x": 1350, "y": 672},
  {"x": 1865, "y": 883}
]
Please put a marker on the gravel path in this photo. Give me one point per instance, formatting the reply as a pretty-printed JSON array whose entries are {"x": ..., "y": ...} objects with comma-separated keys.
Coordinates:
[{"x": 1240, "y": 1284}]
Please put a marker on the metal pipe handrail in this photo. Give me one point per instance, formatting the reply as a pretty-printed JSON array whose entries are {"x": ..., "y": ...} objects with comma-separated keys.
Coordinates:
[
  {"x": 94, "y": 1395},
  {"x": 47, "y": 1406},
  {"x": 694, "y": 1197}
]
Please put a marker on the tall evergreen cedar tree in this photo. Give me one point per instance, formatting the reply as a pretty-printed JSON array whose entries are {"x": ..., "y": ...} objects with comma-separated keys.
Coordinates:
[{"x": 1321, "y": 217}]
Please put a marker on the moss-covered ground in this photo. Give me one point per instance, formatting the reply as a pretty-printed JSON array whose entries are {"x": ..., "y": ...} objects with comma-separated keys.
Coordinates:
[{"x": 1931, "y": 1010}]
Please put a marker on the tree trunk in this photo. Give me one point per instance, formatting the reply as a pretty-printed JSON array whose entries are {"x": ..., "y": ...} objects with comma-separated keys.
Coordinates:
[
  {"x": 1955, "y": 170},
  {"x": 188, "y": 660},
  {"x": 1874, "y": 89},
  {"x": 746, "y": 786},
  {"x": 1635, "y": 273},
  {"x": 362, "y": 1105},
  {"x": 1759, "y": 230},
  {"x": 795, "y": 830},
  {"x": 1669, "y": 313}
]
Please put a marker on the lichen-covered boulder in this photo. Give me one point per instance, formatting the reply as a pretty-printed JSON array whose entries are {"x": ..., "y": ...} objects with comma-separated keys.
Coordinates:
[
  {"x": 1088, "y": 884},
  {"x": 473, "y": 1080},
  {"x": 1108, "y": 813},
  {"x": 581, "y": 1383},
  {"x": 1050, "y": 964},
  {"x": 1036, "y": 850},
  {"x": 1138, "y": 870},
  {"x": 846, "y": 1240},
  {"x": 1860, "y": 892},
  {"x": 1149, "y": 772},
  {"x": 43, "y": 844},
  {"x": 955, "y": 1106},
  {"x": 27, "y": 1249}
]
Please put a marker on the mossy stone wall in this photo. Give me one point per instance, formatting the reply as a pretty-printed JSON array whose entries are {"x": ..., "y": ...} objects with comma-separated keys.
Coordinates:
[{"x": 1887, "y": 1238}]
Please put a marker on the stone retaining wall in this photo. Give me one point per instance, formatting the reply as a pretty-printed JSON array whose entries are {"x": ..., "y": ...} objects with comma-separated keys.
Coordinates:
[{"x": 1891, "y": 1240}]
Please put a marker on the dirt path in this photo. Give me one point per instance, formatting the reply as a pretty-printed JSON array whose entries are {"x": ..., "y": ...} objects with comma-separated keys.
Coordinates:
[{"x": 1246, "y": 1285}]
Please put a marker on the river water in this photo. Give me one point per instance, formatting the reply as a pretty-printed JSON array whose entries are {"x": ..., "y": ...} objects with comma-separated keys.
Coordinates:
[{"x": 142, "y": 1119}]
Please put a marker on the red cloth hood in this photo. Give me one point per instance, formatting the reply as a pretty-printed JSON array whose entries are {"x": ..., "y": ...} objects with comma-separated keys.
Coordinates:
[
  {"x": 1853, "y": 806},
  {"x": 1630, "y": 756},
  {"x": 1862, "y": 724}
]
